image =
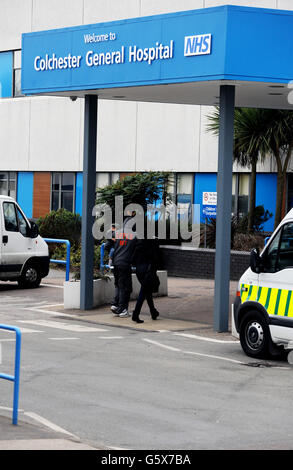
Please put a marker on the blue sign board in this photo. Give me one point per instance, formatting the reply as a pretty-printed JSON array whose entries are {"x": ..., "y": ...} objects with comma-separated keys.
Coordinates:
[{"x": 221, "y": 43}]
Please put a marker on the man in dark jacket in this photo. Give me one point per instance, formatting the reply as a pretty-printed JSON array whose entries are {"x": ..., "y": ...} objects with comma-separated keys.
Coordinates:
[
  {"x": 145, "y": 259},
  {"x": 123, "y": 253}
]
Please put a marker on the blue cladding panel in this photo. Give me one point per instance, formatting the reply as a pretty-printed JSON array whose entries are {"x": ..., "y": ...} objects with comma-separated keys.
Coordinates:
[
  {"x": 203, "y": 182},
  {"x": 25, "y": 188},
  {"x": 266, "y": 193},
  {"x": 259, "y": 44},
  {"x": 266, "y": 190},
  {"x": 6, "y": 74},
  {"x": 78, "y": 194}
]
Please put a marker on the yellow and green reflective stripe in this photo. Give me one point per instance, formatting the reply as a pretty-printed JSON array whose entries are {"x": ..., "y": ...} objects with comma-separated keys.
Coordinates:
[
  {"x": 288, "y": 303},
  {"x": 275, "y": 301}
]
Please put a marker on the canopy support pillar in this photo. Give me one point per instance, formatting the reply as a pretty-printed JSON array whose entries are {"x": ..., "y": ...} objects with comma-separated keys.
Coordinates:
[
  {"x": 224, "y": 205},
  {"x": 88, "y": 201}
]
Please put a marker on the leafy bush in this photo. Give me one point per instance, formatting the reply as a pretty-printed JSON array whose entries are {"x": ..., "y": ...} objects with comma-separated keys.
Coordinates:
[
  {"x": 260, "y": 216},
  {"x": 75, "y": 258},
  {"x": 241, "y": 240},
  {"x": 246, "y": 241},
  {"x": 140, "y": 188},
  {"x": 208, "y": 232},
  {"x": 61, "y": 224}
]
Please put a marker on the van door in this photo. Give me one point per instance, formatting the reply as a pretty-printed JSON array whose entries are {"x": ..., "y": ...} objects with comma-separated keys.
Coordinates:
[
  {"x": 276, "y": 280},
  {"x": 17, "y": 246}
]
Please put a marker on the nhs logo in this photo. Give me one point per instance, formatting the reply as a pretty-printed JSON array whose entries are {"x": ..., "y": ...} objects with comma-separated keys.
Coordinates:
[{"x": 197, "y": 45}]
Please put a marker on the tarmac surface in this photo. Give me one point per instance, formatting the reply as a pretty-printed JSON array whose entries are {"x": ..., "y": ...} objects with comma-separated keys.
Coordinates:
[{"x": 189, "y": 305}]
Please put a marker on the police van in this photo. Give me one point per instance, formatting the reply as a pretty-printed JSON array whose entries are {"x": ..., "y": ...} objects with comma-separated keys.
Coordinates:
[
  {"x": 263, "y": 308},
  {"x": 24, "y": 255}
]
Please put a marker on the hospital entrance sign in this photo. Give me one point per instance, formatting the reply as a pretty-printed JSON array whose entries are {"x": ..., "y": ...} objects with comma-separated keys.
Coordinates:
[{"x": 227, "y": 56}]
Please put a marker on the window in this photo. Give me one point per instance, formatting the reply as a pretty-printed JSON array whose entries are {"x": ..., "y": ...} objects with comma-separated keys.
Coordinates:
[
  {"x": 17, "y": 74},
  {"x": 184, "y": 193},
  {"x": 270, "y": 256},
  {"x": 17, "y": 82},
  {"x": 23, "y": 226},
  {"x": 14, "y": 219},
  {"x": 285, "y": 255},
  {"x": 104, "y": 179},
  {"x": 8, "y": 183},
  {"x": 63, "y": 189},
  {"x": 240, "y": 194},
  {"x": 10, "y": 218},
  {"x": 280, "y": 252}
]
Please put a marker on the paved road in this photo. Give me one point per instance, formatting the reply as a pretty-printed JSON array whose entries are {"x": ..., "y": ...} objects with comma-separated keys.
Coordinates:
[{"x": 115, "y": 386}]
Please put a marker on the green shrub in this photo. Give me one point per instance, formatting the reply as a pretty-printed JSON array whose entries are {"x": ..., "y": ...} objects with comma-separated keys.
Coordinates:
[{"x": 61, "y": 224}]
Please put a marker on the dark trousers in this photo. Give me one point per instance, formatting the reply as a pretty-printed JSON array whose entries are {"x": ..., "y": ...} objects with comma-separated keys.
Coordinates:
[
  {"x": 123, "y": 286},
  {"x": 144, "y": 293}
]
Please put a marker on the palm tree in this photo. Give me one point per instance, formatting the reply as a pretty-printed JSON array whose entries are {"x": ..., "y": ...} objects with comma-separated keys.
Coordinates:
[
  {"x": 248, "y": 125},
  {"x": 258, "y": 133},
  {"x": 279, "y": 141}
]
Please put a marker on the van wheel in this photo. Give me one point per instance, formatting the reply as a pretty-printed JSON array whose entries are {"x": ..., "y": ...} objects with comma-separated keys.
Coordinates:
[
  {"x": 30, "y": 276},
  {"x": 255, "y": 335}
]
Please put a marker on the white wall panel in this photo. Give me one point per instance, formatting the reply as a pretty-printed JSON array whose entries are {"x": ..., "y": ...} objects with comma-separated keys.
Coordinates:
[
  {"x": 56, "y": 14},
  {"x": 15, "y": 18},
  {"x": 155, "y": 7},
  {"x": 167, "y": 137},
  {"x": 116, "y": 136},
  {"x": 208, "y": 158},
  {"x": 285, "y": 4},
  {"x": 54, "y": 134},
  {"x": 245, "y": 3},
  {"x": 14, "y": 134},
  {"x": 96, "y": 11}
]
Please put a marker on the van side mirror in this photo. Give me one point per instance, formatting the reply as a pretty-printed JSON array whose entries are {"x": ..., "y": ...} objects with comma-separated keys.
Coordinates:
[
  {"x": 34, "y": 230},
  {"x": 255, "y": 261}
]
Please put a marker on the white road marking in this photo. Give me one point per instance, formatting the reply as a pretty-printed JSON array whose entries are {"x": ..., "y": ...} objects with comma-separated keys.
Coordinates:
[
  {"x": 210, "y": 356},
  {"x": 52, "y": 285},
  {"x": 111, "y": 337},
  {"x": 63, "y": 326},
  {"x": 48, "y": 423},
  {"x": 162, "y": 345},
  {"x": 63, "y": 339},
  {"x": 50, "y": 312},
  {"x": 28, "y": 330},
  {"x": 7, "y": 408},
  {"x": 202, "y": 338},
  {"x": 53, "y": 305}
]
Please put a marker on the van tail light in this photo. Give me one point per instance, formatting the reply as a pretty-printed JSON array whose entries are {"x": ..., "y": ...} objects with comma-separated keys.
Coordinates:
[{"x": 238, "y": 293}]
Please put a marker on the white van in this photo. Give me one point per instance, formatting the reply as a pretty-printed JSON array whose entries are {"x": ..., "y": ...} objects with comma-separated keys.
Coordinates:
[
  {"x": 263, "y": 308},
  {"x": 24, "y": 255}
]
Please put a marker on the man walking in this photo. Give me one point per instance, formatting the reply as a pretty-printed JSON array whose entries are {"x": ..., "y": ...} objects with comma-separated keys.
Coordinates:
[{"x": 123, "y": 252}]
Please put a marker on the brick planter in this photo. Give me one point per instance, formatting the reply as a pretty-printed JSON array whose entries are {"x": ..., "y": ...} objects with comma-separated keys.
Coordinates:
[{"x": 182, "y": 261}]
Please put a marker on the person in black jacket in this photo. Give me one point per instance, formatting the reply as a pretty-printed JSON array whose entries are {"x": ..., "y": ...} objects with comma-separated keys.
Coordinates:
[
  {"x": 123, "y": 251},
  {"x": 145, "y": 259}
]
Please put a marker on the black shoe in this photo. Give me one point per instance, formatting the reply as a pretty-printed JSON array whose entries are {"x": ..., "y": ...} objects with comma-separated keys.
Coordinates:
[
  {"x": 154, "y": 314},
  {"x": 136, "y": 318}
]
